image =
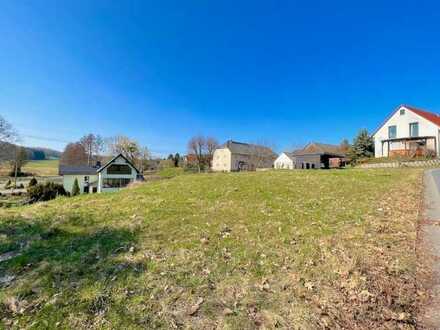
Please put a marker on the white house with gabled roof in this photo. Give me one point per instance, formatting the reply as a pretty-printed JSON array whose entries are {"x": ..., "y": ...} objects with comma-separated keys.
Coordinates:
[
  {"x": 286, "y": 160},
  {"x": 117, "y": 173},
  {"x": 409, "y": 132}
]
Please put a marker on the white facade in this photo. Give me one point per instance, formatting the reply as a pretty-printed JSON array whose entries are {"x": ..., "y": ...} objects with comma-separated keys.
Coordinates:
[
  {"x": 400, "y": 122},
  {"x": 284, "y": 162},
  {"x": 83, "y": 181},
  {"x": 221, "y": 160}
]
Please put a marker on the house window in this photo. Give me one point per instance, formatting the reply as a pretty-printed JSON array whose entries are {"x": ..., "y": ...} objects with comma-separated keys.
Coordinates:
[
  {"x": 119, "y": 169},
  {"x": 115, "y": 183},
  {"x": 414, "y": 129},
  {"x": 392, "y": 132},
  {"x": 402, "y": 112}
]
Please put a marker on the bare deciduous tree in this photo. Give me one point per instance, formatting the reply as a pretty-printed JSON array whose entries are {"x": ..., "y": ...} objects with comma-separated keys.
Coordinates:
[
  {"x": 344, "y": 146},
  {"x": 93, "y": 145},
  {"x": 8, "y": 136},
  {"x": 197, "y": 147},
  {"x": 211, "y": 145},
  {"x": 9, "y": 150},
  {"x": 202, "y": 149},
  {"x": 123, "y": 145},
  {"x": 262, "y": 155},
  {"x": 7, "y": 132},
  {"x": 74, "y": 154},
  {"x": 20, "y": 159},
  {"x": 144, "y": 157}
]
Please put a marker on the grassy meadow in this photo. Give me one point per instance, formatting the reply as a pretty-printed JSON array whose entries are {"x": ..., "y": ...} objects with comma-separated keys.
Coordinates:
[
  {"x": 284, "y": 249},
  {"x": 42, "y": 167}
]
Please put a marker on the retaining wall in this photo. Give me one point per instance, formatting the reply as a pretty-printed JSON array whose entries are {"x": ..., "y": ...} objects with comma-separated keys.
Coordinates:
[{"x": 396, "y": 164}]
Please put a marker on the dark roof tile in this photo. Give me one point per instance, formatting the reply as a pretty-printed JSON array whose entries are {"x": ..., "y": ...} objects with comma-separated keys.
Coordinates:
[{"x": 77, "y": 170}]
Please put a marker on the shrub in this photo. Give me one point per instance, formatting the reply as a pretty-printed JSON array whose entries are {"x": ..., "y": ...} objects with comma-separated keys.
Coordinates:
[
  {"x": 75, "y": 189},
  {"x": 33, "y": 182},
  {"x": 45, "y": 192},
  {"x": 8, "y": 184}
]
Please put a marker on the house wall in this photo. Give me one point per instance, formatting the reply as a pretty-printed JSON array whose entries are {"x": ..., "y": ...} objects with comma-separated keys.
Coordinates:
[
  {"x": 314, "y": 161},
  {"x": 225, "y": 161},
  {"x": 251, "y": 162},
  {"x": 426, "y": 128},
  {"x": 221, "y": 160},
  {"x": 68, "y": 181},
  {"x": 284, "y": 162},
  {"x": 104, "y": 175},
  {"x": 236, "y": 159}
]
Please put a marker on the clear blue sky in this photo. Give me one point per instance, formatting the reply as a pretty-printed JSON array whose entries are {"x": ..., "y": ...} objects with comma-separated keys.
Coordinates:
[{"x": 287, "y": 72}]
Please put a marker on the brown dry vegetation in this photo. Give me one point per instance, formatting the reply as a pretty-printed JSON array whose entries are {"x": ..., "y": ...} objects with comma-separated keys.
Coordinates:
[{"x": 298, "y": 249}]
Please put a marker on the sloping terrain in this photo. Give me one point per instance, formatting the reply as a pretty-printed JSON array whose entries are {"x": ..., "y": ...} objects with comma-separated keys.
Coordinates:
[{"x": 298, "y": 249}]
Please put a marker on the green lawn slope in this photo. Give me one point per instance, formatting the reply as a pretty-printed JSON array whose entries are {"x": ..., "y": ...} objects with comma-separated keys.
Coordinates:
[{"x": 286, "y": 249}]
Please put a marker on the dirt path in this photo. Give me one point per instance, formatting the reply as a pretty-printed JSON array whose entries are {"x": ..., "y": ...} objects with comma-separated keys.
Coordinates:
[{"x": 430, "y": 234}]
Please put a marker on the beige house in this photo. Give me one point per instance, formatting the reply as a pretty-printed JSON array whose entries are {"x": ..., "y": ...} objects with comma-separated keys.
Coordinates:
[
  {"x": 114, "y": 175},
  {"x": 238, "y": 156}
]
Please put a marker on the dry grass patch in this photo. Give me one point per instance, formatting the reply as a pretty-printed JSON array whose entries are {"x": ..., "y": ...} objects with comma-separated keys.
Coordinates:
[{"x": 299, "y": 249}]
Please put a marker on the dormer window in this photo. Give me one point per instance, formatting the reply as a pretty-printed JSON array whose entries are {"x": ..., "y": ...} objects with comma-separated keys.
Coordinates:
[{"x": 402, "y": 112}]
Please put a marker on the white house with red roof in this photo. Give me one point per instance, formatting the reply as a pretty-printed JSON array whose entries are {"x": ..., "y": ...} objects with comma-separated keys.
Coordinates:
[{"x": 409, "y": 132}]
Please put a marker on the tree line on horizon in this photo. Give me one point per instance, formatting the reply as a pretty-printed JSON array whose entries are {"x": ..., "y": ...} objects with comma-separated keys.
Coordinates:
[{"x": 92, "y": 148}]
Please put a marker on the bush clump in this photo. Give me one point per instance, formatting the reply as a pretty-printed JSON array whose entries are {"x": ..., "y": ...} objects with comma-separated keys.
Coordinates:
[
  {"x": 8, "y": 184},
  {"x": 33, "y": 182},
  {"x": 47, "y": 191}
]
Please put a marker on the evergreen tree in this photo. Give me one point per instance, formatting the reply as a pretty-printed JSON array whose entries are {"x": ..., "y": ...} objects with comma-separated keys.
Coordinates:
[
  {"x": 75, "y": 189},
  {"x": 363, "y": 146},
  {"x": 176, "y": 160}
]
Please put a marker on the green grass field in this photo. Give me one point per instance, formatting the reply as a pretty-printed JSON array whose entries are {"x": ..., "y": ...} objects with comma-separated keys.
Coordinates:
[
  {"x": 286, "y": 249},
  {"x": 42, "y": 167}
]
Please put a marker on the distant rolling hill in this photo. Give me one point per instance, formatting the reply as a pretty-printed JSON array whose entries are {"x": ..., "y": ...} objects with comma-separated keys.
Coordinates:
[
  {"x": 42, "y": 153},
  {"x": 34, "y": 153}
]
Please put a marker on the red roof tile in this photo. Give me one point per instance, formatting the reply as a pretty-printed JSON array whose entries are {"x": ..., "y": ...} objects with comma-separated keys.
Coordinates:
[{"x": 432, "y": 117}]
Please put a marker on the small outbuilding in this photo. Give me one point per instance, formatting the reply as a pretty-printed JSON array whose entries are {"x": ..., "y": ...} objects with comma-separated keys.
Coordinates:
[
  {"x": 286, "y": 160},
  {"x": 313, "y": 156}
]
